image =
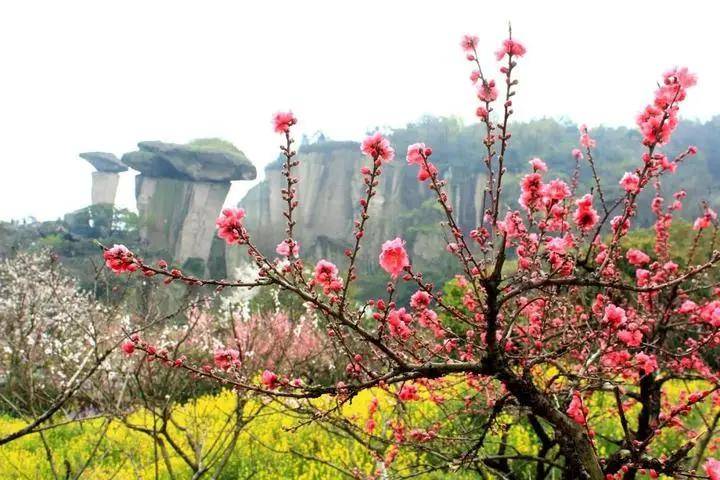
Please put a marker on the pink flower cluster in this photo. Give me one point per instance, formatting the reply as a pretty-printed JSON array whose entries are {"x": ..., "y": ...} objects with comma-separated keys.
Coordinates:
[
  {"x": 226, "y": 358},
  {"x": 576, "y": 410},
  {"x": 230, "y": 226},
  {"x": 536, "y": 195},
  {"x": 637, "y": 257},
  {"x": 706, "y": 220},
  {"x": 511, "y": 48},
  {"x": 326, "y": 275},
  {"x": 418, "y": 154},
  {"x": 585, "y": 141},
  {"x": 659, "y": 120},
  {"x": 408, "y": 393},
  {"x": 119, "y": 259},
  {"x": 283, "y": 248},
  {"x": 269, "y": 380},
  {"x": 378, "y": 147},
  {"x": 487, "y": 92},
  {"x": 630, "y": 182},
  {"x": 399, "y": 322}
]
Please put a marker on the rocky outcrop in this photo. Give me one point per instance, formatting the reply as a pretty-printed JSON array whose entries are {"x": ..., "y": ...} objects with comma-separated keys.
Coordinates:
[
  {"x": 105, "y": 179},
  {"x": 329, "y": 191},
  {"x": 180, "y": 192},
  {"x": 104, "y": 162},
  {"x": 203, "y": 160}
]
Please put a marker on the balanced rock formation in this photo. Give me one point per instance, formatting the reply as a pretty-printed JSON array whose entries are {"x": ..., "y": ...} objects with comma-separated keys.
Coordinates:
[
  {"x": 329, "y": 191},
  {"x": 180, "y": 192},
  {"x": 105, "y": 178}
]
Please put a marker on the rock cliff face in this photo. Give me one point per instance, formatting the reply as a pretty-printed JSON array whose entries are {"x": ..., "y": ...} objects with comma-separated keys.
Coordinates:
[
  {"x": 105, "y": 179},
  {"x": 329, "y": 191},
  {"x": 180, "y": 192}
]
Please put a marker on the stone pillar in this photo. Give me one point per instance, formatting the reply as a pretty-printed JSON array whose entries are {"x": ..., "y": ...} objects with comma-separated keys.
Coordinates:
[
  {"x": 178, "y": 216},
  {"x": 205, "y": 201},
  {"x": 104, "y": 187},
  {"x": 180, "y": 193},
  {"x": 106, "y": 177}
]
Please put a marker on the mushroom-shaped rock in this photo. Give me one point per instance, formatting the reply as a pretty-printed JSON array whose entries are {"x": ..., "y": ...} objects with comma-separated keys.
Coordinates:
[
  {"x": 180, "y": 192},
  {"x": 104, "y": 162},
  {"x": 209, "y": 160}
]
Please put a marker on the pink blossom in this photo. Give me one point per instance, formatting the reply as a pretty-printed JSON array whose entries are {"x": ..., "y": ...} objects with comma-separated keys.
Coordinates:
[
  {"x": 642, "y": 277},
  {"x": 283, "y": 248},
  {"x": 487, "y": 92},
  {"x": 637, "y": 257},
  {"x": 585, "y": 216},
  {"x": 666, "y": 164},
  {"x": 557, "y": 245},
  {"x": 701, "y": 223},
  {"x": 512, "y": 226},
  {"x": 556, "y": 191},
  {"x": 282, "y": 121},
  {"x": 429, "y": 319},
  {"x": 614, "y": 315},
  {"x": 420, "y": 300},
  {"x": 620, "y": 223},
  {"x": 510, "y": 47},
  {"x": 426, "y": 173},
  {"x": 378, "y": 147},
  {"x": 616, "y": 359},
  {"x": 712, "y": 468},
  {"x": 269, "y": 380},
  {"x": 577, "y": 153},
  {"x": 230, "y": 227},
  {"x": 469, "y": 43},
  {"x": 531, "y": 187},
  {"x": 119, "y": 259},
  {"x": 128, "y": 347},
  {"x": 415, "y": 154},
  {"x": 706, "y": 220},
  {"x": 225, "y": 358},
  {"x": 482, "y": 113},
  {"x": 576, "y": 410},
  {"x": 408, "y": 393},
  {"x": 646, "y": 363},
  {"x": 585, "y": 139},
  {"x": 630, "y": 182},
  {"x": 655, "y": 128},
  {"x": 394, "y": 258},
  {"x": 631, "y": 338},
  {"x": 325, "y": 271},
  {"x": 398, "y": 321},
  {"x": 326, "y": 276},
  {"x": 688, "y": 306},
  {"x": 681, "y": 76},
  {"x": 538, "y": 165},
  {"x": 659, "y": 120}
]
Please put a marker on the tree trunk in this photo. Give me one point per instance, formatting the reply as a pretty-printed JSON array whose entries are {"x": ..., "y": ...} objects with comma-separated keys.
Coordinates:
[{"x": 580, "y": 458}]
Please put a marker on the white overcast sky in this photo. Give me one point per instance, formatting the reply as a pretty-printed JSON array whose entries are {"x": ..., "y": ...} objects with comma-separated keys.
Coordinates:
[{"x": 98, "y": 75}]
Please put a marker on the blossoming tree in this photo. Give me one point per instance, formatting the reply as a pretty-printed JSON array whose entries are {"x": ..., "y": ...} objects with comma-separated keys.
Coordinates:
[{"x": 549, "y": 320}]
